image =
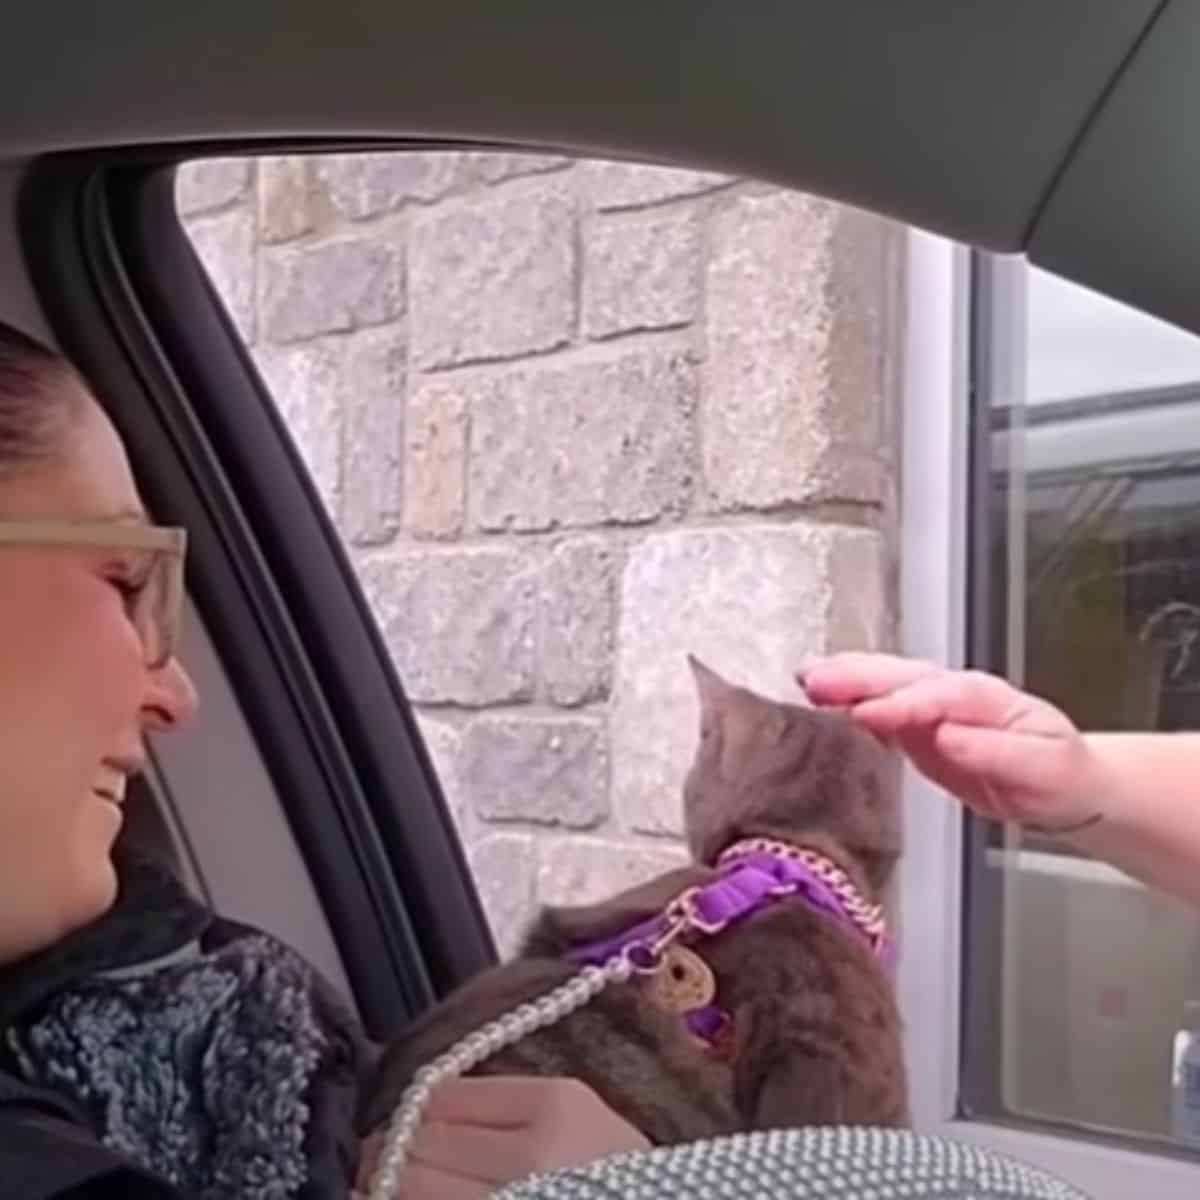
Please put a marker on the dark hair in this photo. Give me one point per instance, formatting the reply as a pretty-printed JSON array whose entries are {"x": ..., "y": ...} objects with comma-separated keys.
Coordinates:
[{"x": 35, "y": 409}]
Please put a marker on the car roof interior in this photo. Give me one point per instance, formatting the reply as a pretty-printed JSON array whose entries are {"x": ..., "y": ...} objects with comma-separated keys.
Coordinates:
[
  {"x": 1043, "y": 126},
  {"x": 1038, "y": 126}
]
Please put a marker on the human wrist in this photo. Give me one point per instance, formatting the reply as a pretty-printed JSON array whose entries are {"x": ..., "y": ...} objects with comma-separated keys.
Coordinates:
[{"x": 1088, "y": 801}]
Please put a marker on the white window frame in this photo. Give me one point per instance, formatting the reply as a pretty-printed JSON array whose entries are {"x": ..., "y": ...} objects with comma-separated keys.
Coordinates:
[{"x": 934, "y": 529}]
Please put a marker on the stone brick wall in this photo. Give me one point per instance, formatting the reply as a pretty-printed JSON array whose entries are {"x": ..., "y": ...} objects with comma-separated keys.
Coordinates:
[{"x": 575, "y": 420}]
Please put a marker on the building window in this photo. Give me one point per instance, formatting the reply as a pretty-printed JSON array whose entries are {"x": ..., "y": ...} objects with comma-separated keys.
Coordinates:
[{"x": 1085, "y": 588}]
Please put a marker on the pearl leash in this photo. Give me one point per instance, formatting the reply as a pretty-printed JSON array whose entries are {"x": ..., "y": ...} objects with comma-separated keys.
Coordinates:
[{"x": 475, "y": 1048}]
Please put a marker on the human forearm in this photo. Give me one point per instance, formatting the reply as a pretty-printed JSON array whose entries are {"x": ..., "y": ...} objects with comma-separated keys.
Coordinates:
[{"x": 1147, "y": 788}]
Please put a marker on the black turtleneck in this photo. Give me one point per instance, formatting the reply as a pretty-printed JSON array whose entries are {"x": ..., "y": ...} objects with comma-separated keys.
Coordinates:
[{"x": 153, "y": 916}]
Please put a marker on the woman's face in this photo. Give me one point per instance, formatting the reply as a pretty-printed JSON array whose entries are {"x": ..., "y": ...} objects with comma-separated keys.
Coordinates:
[{"x": 76, "y": 697}]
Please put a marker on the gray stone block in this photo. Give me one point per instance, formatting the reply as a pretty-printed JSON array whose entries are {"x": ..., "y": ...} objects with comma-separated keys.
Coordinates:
[
  {"x": 209, "y": 183},
  {"x": 796, "y": 346},
  {"x": 444, "y": 744},
  {"x": 365, "y": 185},
  {"x": 584, "y": 870},
  {"x": 435, "y": 460},
  {"x": 583, "y": 443},
  {"x": 633, "y": 185},
  {"x": 285, "y": 199},
  {"x": 504, "y": 866},
  {"x": 578, "y": 618},
  {"x": 641, "y": 272},
  {"x": 461, "y": 625},
  {"x": 496, "y": 167},
  {"x": 374, "y": 435},
  {"x": 225, "y": 244},
  {"x": 547, "y": 771},
  {"x": 493, "y": 276},
  {"x": 307, "y": 384},
  {"x": 331, "y": 287},
  {"x": 752, "y": 601}
]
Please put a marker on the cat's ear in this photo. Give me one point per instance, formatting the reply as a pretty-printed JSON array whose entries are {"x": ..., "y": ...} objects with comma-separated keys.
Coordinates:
[{"x": 714, "y": 693}]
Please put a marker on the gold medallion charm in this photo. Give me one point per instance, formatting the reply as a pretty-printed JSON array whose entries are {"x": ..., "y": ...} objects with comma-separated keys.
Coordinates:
[{"x": 684, "y": 981}]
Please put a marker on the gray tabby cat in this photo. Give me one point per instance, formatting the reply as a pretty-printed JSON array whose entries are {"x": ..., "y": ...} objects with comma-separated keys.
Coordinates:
[{"x": 786, "y": 1016}]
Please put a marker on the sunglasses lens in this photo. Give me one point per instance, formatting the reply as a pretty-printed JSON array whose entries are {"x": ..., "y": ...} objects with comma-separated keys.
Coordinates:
[{"x": 155, "y": 615}]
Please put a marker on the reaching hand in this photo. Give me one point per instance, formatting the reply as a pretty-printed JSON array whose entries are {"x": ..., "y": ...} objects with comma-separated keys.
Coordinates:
[{"x": 1003, "y": 752}]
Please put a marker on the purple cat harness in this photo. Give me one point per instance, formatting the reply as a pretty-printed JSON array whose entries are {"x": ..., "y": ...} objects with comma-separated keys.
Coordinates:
[
  {"x": 754, "y": 874},
  {"x": 751, "y": 875}
]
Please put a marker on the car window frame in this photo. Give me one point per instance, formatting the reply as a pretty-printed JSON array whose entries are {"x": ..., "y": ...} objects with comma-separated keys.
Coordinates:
[{"x": 127, "y": 297}]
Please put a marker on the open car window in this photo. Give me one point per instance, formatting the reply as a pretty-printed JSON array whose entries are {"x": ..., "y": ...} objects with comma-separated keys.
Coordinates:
[{"x": 574, "y": 419}]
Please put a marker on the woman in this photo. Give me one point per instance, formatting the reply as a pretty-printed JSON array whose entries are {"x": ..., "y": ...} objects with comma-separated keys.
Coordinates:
[{"x": 147, "y": 1048}]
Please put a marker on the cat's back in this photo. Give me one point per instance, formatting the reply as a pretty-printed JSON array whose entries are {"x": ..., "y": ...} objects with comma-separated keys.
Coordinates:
[
  {"x": 798, "y": 982},
  {"x": 803, "y": 959}
]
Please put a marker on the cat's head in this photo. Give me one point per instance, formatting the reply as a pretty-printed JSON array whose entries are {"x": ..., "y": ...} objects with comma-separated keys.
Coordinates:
[{"x": 764, "y": 768}]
